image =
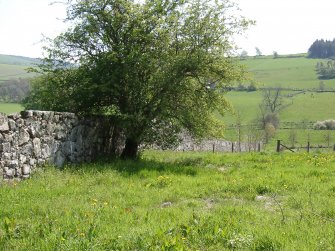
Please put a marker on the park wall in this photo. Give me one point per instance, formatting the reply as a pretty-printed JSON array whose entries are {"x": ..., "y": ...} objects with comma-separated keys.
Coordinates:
[{"x": 33, "y": 138}]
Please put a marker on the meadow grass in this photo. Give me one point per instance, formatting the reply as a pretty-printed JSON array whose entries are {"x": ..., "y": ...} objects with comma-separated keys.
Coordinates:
[
  {"x": 9, "y": 108},
  {"x": 286, "y": 72},
  {"x": 175, "y": 201},
  {"x": 8, "y": 71}
]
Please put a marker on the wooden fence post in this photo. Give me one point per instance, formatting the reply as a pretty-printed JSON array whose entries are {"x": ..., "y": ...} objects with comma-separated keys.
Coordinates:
[
  {"x": 308, "y": 146},
  {"x": 259, "y": 146},
  {"x": 334, "y": 148},
  {"x": 278, "y": 145},
  {"x": 213, "y": 147},
  {"x": 232, "y": 147}
]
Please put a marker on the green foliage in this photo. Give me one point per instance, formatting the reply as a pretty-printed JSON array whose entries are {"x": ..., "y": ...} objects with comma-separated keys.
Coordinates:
[
  {"x": 175, "y": 201},
  {"x": 14, "y": 90},
  {"x": 157, "y": 67},
  {"x": 326, "y": 70}
]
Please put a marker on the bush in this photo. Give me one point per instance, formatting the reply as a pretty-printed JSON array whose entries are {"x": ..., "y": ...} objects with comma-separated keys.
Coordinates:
[
  {"x": 328, "y": 124},
  {"x": 271, "y": 118},
  {"x": 270, "y": 131}
]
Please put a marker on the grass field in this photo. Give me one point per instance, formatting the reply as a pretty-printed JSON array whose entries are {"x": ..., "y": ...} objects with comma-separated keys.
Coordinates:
[
  {"x": 10, "y": 108},
  {"x": 295, "y": 72},
  {"x": 13, "y": 67},
  {"x": 286, "y": 72},
  {"x": 13, "y": 71},
  {"x": 175, "y": 201}
]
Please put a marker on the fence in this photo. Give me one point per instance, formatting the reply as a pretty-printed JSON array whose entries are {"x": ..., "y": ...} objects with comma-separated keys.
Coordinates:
[
  {"x": 188, "y": 144},
  {"x": 280, "y": 147}
]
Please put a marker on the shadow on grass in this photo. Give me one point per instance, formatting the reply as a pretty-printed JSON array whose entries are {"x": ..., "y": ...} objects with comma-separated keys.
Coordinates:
[{"x": 134, "y": 167}]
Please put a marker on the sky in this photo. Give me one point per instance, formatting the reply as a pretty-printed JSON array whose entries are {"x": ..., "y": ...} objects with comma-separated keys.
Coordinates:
[{"x": 284, "y": 26}]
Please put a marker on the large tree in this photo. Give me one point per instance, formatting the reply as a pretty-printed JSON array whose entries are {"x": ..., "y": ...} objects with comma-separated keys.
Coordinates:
[{"x": 157, "y": 67}]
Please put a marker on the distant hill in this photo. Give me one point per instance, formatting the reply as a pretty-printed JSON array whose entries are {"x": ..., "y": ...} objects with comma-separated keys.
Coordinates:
[
  {"x": 14, "y": 67},
  {"x": 14, "y": 80},
  {"x": 18, "y": 60}
]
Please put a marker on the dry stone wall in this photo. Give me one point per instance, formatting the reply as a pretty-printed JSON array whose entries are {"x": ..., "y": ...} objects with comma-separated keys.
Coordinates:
[{"x": 32, "y": 138}]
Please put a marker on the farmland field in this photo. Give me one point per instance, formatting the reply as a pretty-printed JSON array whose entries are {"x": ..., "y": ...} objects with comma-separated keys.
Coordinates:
[
  {"x": 13, "y": 71},
  {"x": 288, "y": 72},
  {"x": 175, "y": 201},
  {"x": 295, "y": 72},
  {"x": 10, "y": 108}
]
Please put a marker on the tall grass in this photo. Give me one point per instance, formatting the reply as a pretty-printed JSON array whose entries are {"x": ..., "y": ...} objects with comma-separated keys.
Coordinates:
[{"x": 175, "y": 201}]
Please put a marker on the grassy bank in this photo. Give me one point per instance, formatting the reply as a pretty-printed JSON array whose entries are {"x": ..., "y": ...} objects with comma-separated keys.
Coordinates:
[
  {"x": 175, "y": 201},
  {"x": 10, "y": 107}
]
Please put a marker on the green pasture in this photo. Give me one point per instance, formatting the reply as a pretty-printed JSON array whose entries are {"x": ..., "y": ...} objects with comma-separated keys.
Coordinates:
[
  {"x": 8, "y": 71},
  {"x": 10, "y": 108},
  {"x": 175, "y": 201},
  {"x": 285, "y": 72},
  {"x": 310, "y": 106}
]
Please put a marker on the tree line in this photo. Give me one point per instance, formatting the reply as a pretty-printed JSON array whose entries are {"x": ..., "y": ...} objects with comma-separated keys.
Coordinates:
[
  {"x": 322, "y": 49},
  {"x": 14, "y": 90}
]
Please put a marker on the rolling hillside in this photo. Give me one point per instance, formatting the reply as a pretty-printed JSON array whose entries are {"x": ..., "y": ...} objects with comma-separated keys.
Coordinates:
[
  {"x": 12, "y": 67},
  {"x": 17, "y": 60},
  {"x": 306, "y": 105},
  {"x": 286, "y": 72},
  {"x": 292, "y": 73}
]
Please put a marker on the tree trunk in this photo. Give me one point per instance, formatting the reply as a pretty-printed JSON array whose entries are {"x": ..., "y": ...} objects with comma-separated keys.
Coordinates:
[{"x": 130, "y": 150}]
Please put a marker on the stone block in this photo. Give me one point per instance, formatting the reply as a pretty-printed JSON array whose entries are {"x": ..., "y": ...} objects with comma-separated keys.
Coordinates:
[
  {"x": 12, "y": 125},
  {"x": 26, "y": 114},
  {"x": 10, "y": 173},
  {"x": 32, "y": 162},
  {"x": 23, "y": 137},
  {"x": 37, "y": 147},
  {"x": 3, "y": 122},
  {"x": 26, "y": 170},
  {"x": 5, "y": 147}
]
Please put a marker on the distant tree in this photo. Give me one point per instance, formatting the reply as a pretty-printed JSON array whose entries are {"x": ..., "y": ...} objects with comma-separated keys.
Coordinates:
[
  {"x": 270, "y": 131},
  {"x": 325, "y": 70},
  {"x": 258, "y": 52},
  {"x": 14, "y": 90},
  {"x": 275, "y": 54},
  {"x": 252, "y": 87},
  {"x": 272, "y": 100},
  {"x": 322, "y": 49},
  {"x": 147, "y": 64},
  {"x": 244, "y": 55}
]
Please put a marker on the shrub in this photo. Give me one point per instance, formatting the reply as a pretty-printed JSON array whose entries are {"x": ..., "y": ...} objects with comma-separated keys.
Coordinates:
[
  {"x": 270, "y": 118},
  {"x": 328, "y": 124},
  {"x": 270, "y": 131}
]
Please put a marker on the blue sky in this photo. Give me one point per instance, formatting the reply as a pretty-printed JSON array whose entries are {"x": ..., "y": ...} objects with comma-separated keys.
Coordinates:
[{"x": 285, "y": 26}]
